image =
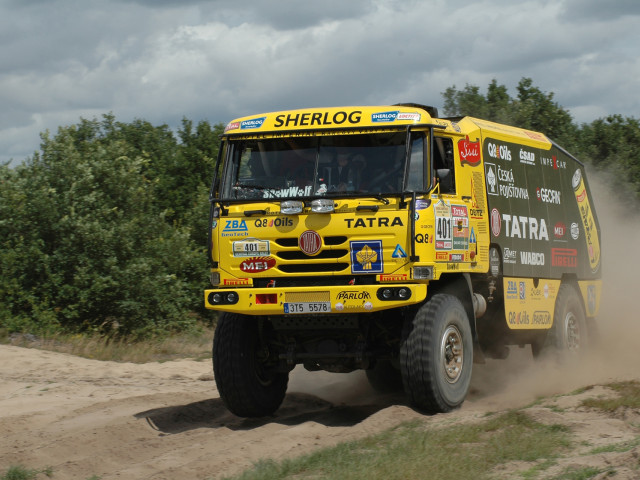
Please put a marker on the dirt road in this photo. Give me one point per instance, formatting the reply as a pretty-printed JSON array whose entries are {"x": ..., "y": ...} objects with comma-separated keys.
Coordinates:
[{"x": 165, "y": 421}]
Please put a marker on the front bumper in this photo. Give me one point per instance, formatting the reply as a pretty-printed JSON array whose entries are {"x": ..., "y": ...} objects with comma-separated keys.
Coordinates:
[{"x": 315, "y": 300}]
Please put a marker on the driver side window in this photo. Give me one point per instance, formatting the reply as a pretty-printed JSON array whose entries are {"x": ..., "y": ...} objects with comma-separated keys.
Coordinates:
[{"x": 443, "y": 164}]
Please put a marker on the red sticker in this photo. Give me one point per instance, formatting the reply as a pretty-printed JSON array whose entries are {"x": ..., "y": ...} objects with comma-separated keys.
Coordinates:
[
  {"x": 469, "y": 152},
  {"x": 257, "y": 264}
]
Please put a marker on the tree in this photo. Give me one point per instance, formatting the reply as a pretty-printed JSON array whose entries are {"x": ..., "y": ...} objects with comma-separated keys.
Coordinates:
[
  {"x": 85, "y": 243},
  {"x": 532, "y": 109}
]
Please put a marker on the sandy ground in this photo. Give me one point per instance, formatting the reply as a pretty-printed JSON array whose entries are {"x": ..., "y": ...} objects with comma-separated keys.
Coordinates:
[{"x": 165, "y": 421}]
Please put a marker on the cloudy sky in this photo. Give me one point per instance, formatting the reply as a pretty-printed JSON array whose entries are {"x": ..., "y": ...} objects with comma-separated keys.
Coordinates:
[{"x": 162, "y": 60}]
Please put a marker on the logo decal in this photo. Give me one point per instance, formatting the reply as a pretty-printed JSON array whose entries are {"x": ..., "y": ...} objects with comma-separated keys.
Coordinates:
[
  {"x": 366, "y": 256},
  {"x": 496, "y": 222},
  {"x": 234, "y": 228},
  {"x": 254, "y": 123},
  {"x": 310, "y": 242},
  {"x": 564, "y": 257},
  {"x": 469, "y": 152},
  {"x": 399, "y": 252},
  {"x": 257, "y": 264}
]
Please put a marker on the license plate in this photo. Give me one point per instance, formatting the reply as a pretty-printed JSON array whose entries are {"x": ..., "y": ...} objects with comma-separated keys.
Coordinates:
[{"x": 307, "y": 307}]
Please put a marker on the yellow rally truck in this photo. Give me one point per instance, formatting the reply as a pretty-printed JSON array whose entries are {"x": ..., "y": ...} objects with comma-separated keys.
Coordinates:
[{"x": 387, "y": 239}]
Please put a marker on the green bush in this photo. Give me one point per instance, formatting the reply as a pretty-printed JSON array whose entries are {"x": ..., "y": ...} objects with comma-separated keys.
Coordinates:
[{"x": 86, "y": 244}]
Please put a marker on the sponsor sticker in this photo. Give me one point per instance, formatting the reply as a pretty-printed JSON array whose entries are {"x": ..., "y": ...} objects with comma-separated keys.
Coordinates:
[
  {"x": 496, "y": 222},
  {"x": 527, "y": 157},
  {"x": 253, "y": 123},
  {"x": 235, "y": 228},
  {"x": 591, "y": 299},
  {"x": 257, "y": 264},
  {"x": 492, "y": 178},
  {"x": 394, "y": 277},
  {"x": 392, "y": 116},
  {"x": 236, "y": 281},
  {"x": 509, "y": 255},
  {"x": 469, "y": 152},
  {"x": 366, "y": 256},
  {"x": 251, "y": 247},
  {"x": 564, "y": 257},
  {"x": 399, "y": 252},
  {"x": 422, "y": 204},
  {"x": 535, "y": 259},
  {"x": 499, "y": 152},
  {"x": 232, "y": 126},
  {"x": 559, "y": 230}
]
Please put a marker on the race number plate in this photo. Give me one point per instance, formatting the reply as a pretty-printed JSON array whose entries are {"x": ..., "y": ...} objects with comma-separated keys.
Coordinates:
[{"x": 251, "y": 247}]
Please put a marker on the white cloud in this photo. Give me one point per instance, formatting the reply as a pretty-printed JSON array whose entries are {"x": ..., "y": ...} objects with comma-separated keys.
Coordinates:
[{"x": 165, "y": 60}]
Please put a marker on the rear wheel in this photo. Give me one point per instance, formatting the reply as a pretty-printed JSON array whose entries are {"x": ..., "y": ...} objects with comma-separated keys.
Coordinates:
[
  {"x": 245, "y": 375},
  {"x": 436, "y": 356},
  {"x": 568, "y": 335}
]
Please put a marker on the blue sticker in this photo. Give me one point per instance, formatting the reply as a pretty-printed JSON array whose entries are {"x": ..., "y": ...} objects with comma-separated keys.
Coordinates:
[
  {"x": 591, "y": 299},
  {"x": 366, "y": 256},
  {"x": 384, "y": 116},
  {"x": 399, "y": 252},
  {"x": 254, "y": 123},
  {"x": 234, "y": 228},
  {"x": 422, "y": 204},
  {"x": 472, "y": 236}
]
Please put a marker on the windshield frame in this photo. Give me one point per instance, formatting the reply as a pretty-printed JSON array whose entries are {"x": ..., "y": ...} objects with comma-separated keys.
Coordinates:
[{"x": 223, "y": 188}]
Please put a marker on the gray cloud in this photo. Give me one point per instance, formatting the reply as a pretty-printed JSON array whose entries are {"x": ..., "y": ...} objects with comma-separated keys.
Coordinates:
[{"x": 164, "y": 60}]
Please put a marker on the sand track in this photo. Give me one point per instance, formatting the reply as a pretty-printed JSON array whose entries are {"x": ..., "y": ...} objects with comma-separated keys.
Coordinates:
[{"x": 165, "y": 420}]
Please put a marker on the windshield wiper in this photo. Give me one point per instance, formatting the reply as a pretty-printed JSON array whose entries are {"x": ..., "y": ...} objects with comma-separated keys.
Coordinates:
[{"x": 381, "y": 198}]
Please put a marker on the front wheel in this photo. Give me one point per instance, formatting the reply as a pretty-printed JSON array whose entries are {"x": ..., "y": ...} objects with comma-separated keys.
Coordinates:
[
  {"x": 436, "y": 355},
  {"x": 245, "y": 375}
]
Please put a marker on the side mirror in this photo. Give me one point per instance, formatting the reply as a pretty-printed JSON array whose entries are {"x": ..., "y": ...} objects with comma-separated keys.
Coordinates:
[{"x": 444, "y": 179}]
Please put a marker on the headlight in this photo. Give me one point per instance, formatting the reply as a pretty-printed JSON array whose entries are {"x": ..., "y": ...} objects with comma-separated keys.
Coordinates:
[
  {"x": 291, "y": 207},
  {"x": 423, "y": 273},
  {"x": 322, "y": 205}
]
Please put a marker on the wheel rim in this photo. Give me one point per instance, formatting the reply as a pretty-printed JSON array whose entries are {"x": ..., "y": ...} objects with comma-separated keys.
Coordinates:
[
  {"x": 572, "y": 332},
  {"x": 452, "y": 354}
]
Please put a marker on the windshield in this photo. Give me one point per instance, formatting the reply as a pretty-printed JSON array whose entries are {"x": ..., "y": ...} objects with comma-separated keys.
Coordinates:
[{"x": 296, "y": 167}]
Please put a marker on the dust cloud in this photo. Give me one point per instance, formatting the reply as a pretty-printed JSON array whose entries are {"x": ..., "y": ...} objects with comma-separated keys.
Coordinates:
[
  {"x": 613, "y": 353},
  {"x": 612, "y": 356}
]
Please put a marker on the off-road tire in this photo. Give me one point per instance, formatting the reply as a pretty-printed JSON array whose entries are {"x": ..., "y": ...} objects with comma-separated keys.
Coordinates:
[
  {"x": 569, "y": 335},
  {"x": 436, "y": 356},
  {"x": 246, "y": 387},
  {"x": 384, "y": 377}
]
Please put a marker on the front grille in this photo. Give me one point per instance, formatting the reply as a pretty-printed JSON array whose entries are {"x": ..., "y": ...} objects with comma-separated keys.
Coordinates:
[
  {"x": 315, "y": 281},
  {"x": 312, "y": 267},
  {"x": 329, "y": 241},
  {"x": 298, "y": 255},
  {"x": 292, "y": 260}
]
